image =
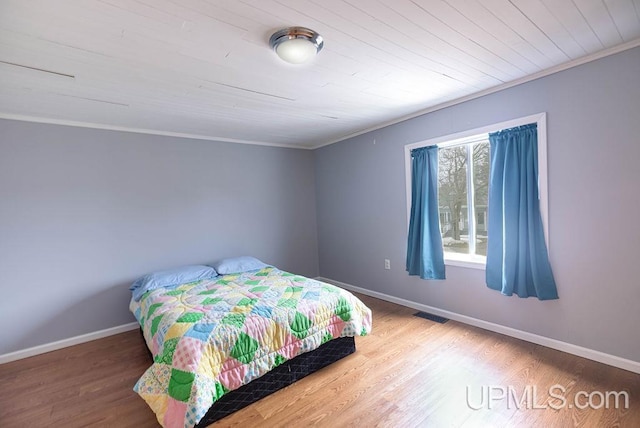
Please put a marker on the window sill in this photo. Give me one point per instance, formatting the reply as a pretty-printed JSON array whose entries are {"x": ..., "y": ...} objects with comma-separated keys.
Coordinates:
[{"x": 465, "y": 260}]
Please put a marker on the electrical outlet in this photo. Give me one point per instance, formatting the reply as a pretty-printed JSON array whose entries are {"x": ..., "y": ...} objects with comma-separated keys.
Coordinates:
[{"x": 387, "y": 264}]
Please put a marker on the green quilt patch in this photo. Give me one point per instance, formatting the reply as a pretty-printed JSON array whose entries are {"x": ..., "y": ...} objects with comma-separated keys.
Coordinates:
[
  {"x": 279, "y": 359},
  {"x": 259, "y": 289},
  {"x": 327, "y": 337},
  {"x": 219, "y": 391},
  {"x": 208, "y": 291},
  {"x": 245, "y": 348},
  {"x": 252, "y": 282},
  {"x": 290, "y": 297},
  {"x": 153, "y": 308},
  {"x": 174, "y": 293},
  {"x": 236, "y": 320},
  {"x": 168, "y": 350},
  {"x": 300, "y": 326},
  {"x": 247, "y": 302},
  {"x": 155, "y": 323},
  {"x": 190, "y": 317},
  {"x": 180, "y": 384},
  {"x": 212, "y": 300},
  {"x": 343, "y": 309}
]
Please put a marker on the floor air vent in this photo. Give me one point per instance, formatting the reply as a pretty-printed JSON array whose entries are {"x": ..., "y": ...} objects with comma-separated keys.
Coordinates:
[{"x": 431, "y": 317}]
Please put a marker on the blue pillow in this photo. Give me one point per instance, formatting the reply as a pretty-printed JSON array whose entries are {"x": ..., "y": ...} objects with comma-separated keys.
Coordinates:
[
  {"x": 170, "y": 278},
  {"x": 238, "y": 265}
]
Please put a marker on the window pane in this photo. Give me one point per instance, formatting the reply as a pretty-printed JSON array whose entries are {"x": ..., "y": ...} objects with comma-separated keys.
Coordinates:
[
  {"x": 452, "y": 199},
  {"x": 480, "y": 193}
]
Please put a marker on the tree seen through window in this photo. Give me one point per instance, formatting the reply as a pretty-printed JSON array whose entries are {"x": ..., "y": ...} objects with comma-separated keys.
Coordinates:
[{"x": 463, "y": 189}]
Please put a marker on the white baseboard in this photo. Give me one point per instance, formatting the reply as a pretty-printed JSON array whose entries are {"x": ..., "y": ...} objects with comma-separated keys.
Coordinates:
[
  {"x": 53, "y": 346},
  {"x": 601, "y": 357}
]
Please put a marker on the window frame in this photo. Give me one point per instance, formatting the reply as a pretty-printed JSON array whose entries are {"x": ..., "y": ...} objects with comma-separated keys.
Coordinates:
[{"x": 464, "y": 137}]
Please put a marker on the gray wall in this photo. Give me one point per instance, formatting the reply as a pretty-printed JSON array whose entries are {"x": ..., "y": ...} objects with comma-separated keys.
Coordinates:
[
  {"x": 593, "y": 118},
  {"x": 84, "y": 212}
]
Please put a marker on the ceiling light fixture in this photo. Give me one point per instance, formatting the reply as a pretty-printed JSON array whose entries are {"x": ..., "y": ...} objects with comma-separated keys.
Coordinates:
[{"x": 296, "y": 45}]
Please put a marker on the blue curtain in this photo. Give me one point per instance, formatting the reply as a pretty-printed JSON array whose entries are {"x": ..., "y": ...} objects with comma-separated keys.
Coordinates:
[
  {"x": 517, "y": 258},
  {"x": 424, "y": 248}
]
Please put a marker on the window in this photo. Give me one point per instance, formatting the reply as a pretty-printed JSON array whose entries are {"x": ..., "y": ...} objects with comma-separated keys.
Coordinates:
[
  {"x": 463, "y": 184},
  {"x": 463, "y": 188}
]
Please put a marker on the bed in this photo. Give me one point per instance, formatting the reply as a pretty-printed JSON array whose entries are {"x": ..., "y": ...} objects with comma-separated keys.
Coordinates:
[{"x": 220, "y": 342}]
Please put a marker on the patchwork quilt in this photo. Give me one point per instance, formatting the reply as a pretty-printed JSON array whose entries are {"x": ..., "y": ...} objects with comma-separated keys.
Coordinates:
[{"x": 212, "y": 336}]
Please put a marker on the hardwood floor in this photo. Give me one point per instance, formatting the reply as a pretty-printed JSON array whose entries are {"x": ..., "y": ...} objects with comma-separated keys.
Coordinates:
[{"x": 410, "y": 372}]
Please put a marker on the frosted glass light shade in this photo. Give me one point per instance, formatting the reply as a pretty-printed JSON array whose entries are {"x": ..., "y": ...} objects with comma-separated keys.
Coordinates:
[
  {"x": 296, "y": 51},
  {"x": 296, "y": 45}
]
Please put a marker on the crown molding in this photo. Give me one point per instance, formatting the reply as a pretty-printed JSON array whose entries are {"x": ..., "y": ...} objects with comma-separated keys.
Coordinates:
[{"x": 80, "y": 124}]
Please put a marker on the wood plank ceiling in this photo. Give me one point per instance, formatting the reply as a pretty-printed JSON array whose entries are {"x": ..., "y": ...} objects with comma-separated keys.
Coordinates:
[{"x": 203, "y": 68}]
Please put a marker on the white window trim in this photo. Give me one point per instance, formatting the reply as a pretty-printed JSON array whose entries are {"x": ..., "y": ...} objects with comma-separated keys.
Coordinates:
[{"x": 470, "y": 261}]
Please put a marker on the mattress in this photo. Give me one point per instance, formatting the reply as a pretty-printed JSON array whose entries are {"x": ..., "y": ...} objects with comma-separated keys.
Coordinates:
[{"x": 213, "y": 336}]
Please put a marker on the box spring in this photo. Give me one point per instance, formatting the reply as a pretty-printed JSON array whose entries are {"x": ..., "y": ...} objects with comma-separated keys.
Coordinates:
[{"x": 283, "y": 375}]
